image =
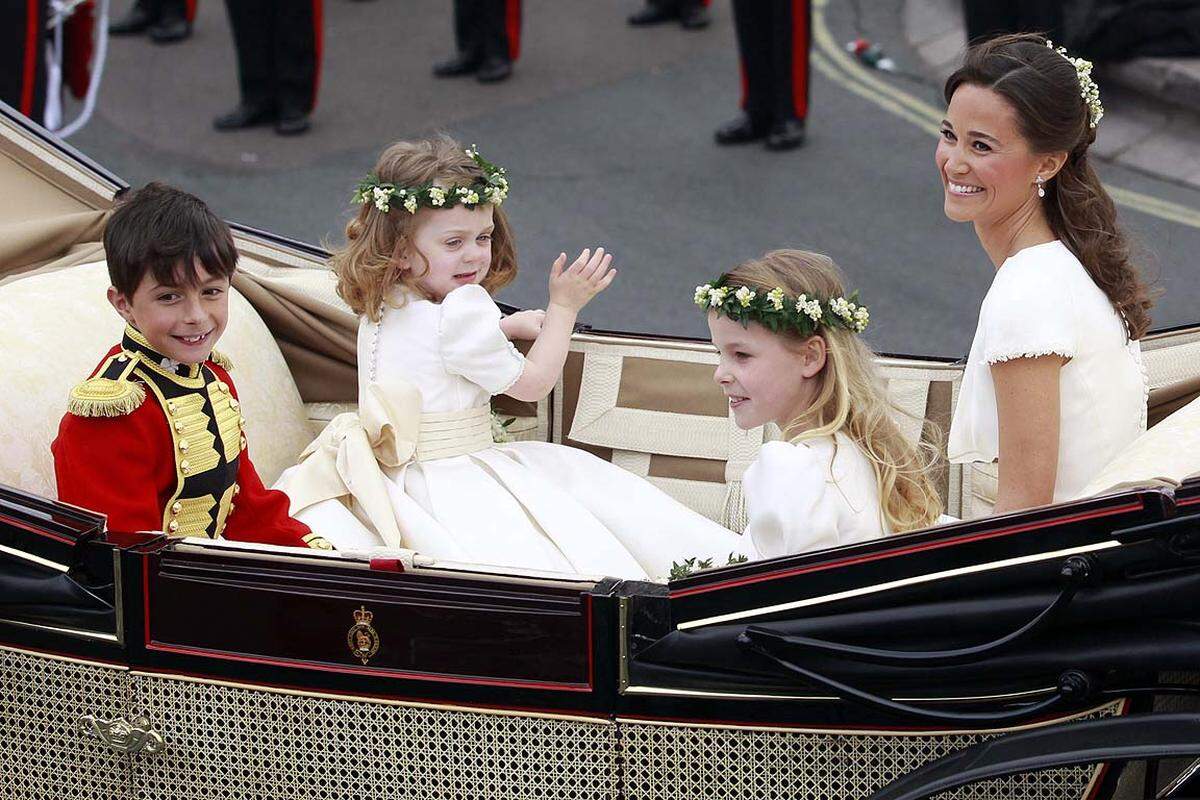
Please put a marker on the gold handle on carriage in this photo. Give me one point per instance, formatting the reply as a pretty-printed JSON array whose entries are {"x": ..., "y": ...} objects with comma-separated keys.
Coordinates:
[{"x": 130, "y": 736}]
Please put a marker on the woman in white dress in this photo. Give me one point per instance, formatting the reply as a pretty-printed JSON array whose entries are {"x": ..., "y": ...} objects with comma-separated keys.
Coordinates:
[
  {"x": 1054, "y": 385},
  {"x": 791, "y": 354},
  {"x": 428, "y": 245}
]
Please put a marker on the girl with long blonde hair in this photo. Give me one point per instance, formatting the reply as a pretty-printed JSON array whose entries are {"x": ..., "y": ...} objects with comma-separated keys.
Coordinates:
[
  {"x": 791, "y": 354},
  {"x": 426, "y": 249}
]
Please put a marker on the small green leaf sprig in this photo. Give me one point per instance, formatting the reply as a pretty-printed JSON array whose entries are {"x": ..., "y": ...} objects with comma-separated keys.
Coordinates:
[
  {"x": 695, "y": 564},
  {"x": 492, "y": 188},
  {"x": 778, "y": 312}
]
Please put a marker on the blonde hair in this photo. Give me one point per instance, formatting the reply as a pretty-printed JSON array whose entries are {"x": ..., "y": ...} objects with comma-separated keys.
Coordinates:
[
  {"x": 367, "y": 267},
  {"x": 851, "y": 397}
]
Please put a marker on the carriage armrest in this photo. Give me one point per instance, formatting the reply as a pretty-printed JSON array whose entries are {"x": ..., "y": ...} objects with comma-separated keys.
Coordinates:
[{"x": 1131, "y": 738}]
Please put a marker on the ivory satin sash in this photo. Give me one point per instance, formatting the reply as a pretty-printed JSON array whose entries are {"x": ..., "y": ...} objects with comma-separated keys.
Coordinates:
[{"x": 388, "y": 430}]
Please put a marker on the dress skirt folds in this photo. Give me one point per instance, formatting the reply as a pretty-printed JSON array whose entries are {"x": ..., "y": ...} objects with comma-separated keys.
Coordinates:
[{"x": 416, "y": 467}]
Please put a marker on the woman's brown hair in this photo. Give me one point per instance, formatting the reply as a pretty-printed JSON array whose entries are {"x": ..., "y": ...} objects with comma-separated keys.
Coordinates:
[
  {"x": 1043, "y": 89},
  {"x": 368, "y": 267}
]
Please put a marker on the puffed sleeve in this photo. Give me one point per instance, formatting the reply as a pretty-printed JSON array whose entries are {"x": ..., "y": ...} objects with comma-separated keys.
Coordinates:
[
  {"x": 1027, "y": 314},
  {"x": 788, "y": 501},
  {"x": 472, "y": 343}
]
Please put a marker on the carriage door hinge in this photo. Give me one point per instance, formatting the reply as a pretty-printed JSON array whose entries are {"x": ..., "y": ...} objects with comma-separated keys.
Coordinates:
[{"x": 130, "y": 736}]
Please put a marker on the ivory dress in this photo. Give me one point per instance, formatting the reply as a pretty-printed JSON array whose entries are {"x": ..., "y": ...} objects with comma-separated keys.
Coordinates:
[
  {"x": 427, "y": 372},
  {"x": 810, "y": 495},
  {"x": 1042, "y": 301}
]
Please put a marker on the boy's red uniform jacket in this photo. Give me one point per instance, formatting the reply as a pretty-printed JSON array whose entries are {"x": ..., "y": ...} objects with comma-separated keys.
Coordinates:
[{"x": 158, "y": 445}]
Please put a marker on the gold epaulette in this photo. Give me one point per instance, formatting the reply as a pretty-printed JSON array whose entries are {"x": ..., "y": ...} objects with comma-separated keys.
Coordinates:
[
  {"x": 110, "y": 392},
  {"x": 221, "y": 360}
]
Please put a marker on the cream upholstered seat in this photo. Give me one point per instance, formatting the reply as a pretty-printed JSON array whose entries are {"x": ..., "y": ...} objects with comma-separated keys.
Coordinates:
[{"x": 57, "y": 325}]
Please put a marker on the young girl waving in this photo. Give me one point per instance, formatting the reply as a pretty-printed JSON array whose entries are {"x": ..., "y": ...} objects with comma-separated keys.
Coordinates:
[
  {"x": 424, "y": 253},
  {"x": 790, "y": 354}
]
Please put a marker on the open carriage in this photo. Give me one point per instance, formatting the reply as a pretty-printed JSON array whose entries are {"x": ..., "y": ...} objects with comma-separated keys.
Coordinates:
[{"x": 134, "y": 665}]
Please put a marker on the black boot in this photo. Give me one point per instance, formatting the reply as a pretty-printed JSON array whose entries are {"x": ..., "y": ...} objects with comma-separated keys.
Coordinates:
[
  {"x": 461, "y": 64},
  {"x": 740, "y": 130},
  {"x": 694, "y": 17},
  {"x": 493, "y": 70},
  {"x": 245, "y": 116},
  {"x": 652, "y": 14},
  {"x": 292, "y": 122},
  {"x": 786, "y": 135},
  {"x": 166, "y": 31},
  {"x": 136, "y": 20}
]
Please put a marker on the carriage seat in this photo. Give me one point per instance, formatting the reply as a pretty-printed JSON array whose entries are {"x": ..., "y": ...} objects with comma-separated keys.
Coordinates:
[{"x": 58, "y": 326}]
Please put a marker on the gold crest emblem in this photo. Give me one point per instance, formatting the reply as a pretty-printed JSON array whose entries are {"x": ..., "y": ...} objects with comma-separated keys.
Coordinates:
[{"x": 362, "y": 638}]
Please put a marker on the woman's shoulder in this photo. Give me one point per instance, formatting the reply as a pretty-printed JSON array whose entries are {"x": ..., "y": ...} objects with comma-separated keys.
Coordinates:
[{"x": 1047, "y": 266}]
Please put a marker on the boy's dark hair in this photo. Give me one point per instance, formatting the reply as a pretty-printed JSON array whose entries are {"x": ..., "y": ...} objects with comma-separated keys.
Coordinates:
[{"x": 159, "y": 230}]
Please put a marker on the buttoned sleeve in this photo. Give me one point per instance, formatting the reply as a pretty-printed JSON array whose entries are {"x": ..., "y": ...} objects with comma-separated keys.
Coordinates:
[
  {"x": 261, "y": 514},
  {"x": 472, "y": 344}
]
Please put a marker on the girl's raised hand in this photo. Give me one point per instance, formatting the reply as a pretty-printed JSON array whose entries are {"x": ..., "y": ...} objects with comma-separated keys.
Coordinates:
[{"x": 588, "y": 275}]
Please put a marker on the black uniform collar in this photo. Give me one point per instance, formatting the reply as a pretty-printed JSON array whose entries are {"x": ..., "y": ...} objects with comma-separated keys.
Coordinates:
[{"x": 134, "y": 343}]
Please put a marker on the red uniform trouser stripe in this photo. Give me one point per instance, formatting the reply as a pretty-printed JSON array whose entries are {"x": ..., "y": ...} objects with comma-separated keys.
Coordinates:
[
  {"x": 512, "y": 27},
  {"x": 31, "y": 53},
  {"x": 318, "y": 47},
  {"x": 800, "y": 34},
  {"x": 190, "y": 10}
]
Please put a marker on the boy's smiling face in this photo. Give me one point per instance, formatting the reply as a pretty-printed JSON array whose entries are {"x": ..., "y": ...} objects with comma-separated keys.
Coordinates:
[{"x": 182, "y": 320}]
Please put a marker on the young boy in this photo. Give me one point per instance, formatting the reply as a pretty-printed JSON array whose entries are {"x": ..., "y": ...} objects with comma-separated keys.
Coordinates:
[{"x": 154, "y": 438}]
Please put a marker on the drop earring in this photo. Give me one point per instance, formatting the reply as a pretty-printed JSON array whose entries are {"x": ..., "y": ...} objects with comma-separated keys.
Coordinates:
[{"x": 1041, "y": 188}]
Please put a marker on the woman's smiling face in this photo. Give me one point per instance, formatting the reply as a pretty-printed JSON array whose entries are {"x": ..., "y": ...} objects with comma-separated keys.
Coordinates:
[{"x": 987, "y": 169}]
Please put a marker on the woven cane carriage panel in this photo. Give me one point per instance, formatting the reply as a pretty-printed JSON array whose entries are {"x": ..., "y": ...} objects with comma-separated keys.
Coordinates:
[
  {"x": 238, "y": 743},
  {"x": 682, "y": 762},
  {"x": 43, "y": 753}
]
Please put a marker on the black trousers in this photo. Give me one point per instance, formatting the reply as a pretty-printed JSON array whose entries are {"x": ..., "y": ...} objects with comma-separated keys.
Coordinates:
[
  {"x": 159, "y": 10},
  {"x": 278, "y": 46},
  {"x": 22, "y": 60},
  {"x": 488, "y": 28},
  {"x": 774, "y": 38}
]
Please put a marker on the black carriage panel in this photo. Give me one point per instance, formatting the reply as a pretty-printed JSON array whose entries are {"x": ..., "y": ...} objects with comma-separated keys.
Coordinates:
[
  {"x": 375, "y": 628},
  {"x": 974, "y": 546},
  {"x": 58, "y": 578}
]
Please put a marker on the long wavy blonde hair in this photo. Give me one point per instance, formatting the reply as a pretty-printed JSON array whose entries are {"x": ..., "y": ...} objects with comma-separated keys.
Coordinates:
[
  {"x": 368, "y": 266},
  {"x": 851, "y": 397}
]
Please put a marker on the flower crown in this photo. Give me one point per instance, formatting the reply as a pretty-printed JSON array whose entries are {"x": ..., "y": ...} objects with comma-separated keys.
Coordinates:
[
  {"x": 491, "y": 188},
  {"x": 777, "y": 311},
  {"x": 1088, "y": 89}
]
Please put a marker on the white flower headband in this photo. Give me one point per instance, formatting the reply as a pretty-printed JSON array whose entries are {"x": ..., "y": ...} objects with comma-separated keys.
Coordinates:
[
  {"x": 491, "y": 188},
  {"x": 1088, "y": 89},
  {"x": 777, "y": 311}
]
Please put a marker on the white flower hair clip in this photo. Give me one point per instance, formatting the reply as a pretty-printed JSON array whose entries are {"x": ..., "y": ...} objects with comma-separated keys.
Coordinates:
[{"x": 1088, "y": 89}]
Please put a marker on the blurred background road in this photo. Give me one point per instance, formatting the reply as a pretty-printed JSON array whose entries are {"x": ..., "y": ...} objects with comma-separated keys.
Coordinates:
[{"x": 606, "y": 132}]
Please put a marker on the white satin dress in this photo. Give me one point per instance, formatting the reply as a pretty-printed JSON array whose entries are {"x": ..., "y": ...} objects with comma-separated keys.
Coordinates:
[{"x": 534, "y": 505}]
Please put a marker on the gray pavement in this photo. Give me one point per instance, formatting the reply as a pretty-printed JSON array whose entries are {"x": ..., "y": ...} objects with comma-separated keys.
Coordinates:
[{"x": 606, "y": 133}]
